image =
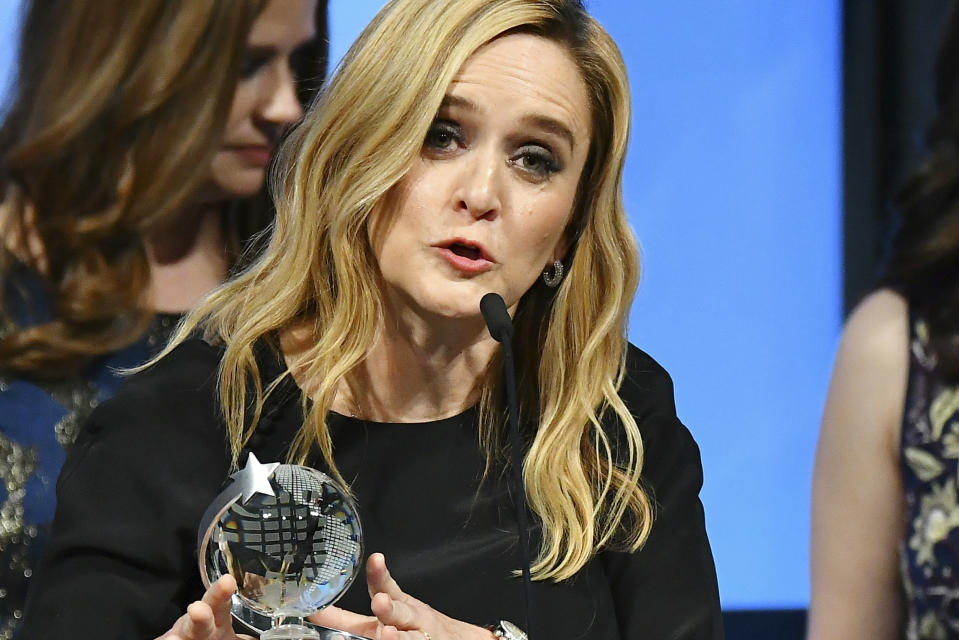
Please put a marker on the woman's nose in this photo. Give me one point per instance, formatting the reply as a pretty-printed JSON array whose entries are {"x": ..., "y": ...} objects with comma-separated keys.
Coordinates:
[
  {"x": 280, "y": 104},
  {"x": 480, "y": 189}
]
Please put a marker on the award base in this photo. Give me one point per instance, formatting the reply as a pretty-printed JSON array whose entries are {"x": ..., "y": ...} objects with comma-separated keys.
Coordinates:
[
  {"x": 290, "y": 632},
  {"x": 261, "y": 625},
  {"x": 304, "y": 632}
]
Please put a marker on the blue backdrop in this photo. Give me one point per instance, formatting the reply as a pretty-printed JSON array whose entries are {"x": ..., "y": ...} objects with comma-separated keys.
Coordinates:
[
  {"x": 733, "y": 188},
  {"x": 733, "y": 185}
]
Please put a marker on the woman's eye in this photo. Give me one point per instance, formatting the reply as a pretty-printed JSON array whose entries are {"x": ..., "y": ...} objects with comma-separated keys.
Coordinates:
[
  {"x": 443, "y": 136},
  {"x": 536, "y": 161},
  {"x": 252, "y": 63}
]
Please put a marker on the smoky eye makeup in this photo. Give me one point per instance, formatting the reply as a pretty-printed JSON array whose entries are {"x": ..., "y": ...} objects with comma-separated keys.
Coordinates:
[
  {"x": 444, "y": 135},
  {"x": 536, "y": 160}
]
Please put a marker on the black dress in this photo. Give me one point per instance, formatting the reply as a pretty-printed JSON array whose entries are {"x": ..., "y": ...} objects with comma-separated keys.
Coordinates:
[{"x": 122, "y": 561}]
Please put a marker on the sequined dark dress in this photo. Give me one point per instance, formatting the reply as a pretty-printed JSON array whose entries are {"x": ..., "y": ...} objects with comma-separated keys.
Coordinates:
[
  {"x": 38, "y": 422},
  {"x": 929, "y": 456}
]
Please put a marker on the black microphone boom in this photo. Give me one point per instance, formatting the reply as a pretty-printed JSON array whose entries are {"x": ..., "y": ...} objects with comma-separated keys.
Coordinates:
[
  {"x": 497, "y": 317},
  {"x": 500, "y": 326}
]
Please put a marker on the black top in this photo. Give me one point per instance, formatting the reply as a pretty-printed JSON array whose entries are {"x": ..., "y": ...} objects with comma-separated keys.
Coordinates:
[{"x": 122, "y": 561}]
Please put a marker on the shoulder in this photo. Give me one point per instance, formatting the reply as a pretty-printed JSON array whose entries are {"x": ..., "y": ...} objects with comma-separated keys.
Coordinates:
[
  {"x": 668, "y": 446},
  {"x": 876, "y": 334},
  {"x": 867, "y": 391},
  {"x": 161, "y": 433},
  {"x": 191, "y": 365},
  {"x": 189, "y": 368},
  {"x": 646, "y": 386},
  {"x": 868, "y": 385},
  {"x": 177, "y": 393}
]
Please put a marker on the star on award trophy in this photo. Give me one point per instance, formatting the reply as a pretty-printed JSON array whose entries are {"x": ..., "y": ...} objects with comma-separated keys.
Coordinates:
[{"x": 291, "y": 538}]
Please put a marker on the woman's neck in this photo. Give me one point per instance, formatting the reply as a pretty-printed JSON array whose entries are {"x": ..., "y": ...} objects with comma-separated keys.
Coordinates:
[
  {"x": 418, "y": 377},
  {"x": 187, "y": 259},
  {"x": 415, "y": 372}
]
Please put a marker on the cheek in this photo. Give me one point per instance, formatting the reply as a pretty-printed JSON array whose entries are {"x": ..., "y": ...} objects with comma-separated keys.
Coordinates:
[
  {"x": 240, "y": 109},
  {"x": 546, "y": 227},
  {"x": 387, "y": 219},
  {"x": 408, "y": 212}
]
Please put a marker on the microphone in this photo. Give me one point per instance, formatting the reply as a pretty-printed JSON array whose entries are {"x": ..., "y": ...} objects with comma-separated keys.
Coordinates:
[
  {"x": 500, "y": 326},
  {"x": 497, "y": 318}
]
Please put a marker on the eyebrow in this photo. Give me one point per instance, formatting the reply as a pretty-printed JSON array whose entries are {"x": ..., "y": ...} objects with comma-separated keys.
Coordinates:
[
  {"x": 270, "y": 49},
  {"x": 458, "y": 101},
  {"x": 553, "y": 126},
  {"x": 545, "y": 123}
]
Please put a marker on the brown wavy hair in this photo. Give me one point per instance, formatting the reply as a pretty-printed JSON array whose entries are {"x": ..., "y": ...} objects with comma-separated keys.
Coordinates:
[
  {"x": 116, "y": 107},
  {"x": 924, "y": 259}
]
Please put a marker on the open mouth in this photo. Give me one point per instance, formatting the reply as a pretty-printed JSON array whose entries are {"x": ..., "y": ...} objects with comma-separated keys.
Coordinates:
[{"x": 465, "y": 251}]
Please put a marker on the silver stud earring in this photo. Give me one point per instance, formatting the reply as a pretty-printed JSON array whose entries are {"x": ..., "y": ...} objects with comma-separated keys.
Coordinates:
[{"x": 552, "y": 277}]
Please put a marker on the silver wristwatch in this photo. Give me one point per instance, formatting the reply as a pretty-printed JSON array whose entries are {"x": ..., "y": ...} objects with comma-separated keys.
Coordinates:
[{"x": 507, "y": 630}]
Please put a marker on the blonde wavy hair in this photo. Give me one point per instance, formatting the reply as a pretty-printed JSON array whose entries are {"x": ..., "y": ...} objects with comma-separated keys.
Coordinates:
[{"x": 319, "y": 270}]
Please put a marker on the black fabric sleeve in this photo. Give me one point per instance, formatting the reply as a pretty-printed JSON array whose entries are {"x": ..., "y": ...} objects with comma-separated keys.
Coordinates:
[
  {"x": 668, "y": 590},
  {"x": 121, "y": 561}
]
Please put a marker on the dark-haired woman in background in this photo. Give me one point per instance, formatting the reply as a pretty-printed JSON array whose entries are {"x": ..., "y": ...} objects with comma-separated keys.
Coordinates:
[
  {"x": 133, "y": 159},
  {"x": 885, "y": 536}
]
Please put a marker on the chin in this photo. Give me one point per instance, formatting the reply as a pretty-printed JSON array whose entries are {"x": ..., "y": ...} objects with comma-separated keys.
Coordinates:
[
  {"x": 456, "y": 303},
  {"x": 237, "y": 182}
]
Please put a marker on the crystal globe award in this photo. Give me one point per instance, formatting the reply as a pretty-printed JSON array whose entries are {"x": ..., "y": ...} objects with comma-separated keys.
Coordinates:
[{"x": 291, "y": 538}]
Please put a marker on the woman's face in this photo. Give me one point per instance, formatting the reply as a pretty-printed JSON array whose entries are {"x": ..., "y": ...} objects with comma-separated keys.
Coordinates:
[
  {"x": 265, "y": 101},
  {"x": 486, "y": 205}
]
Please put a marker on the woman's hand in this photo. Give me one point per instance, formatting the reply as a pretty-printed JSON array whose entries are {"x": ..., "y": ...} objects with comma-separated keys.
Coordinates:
[
  {"x": 209, "y": 618},
  {"x": 397, "y": 616}
]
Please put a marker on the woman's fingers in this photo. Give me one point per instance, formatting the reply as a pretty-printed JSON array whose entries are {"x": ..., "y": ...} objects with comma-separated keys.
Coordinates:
[
  {"x": 195, "y": 624},
  {"x": 343, "y": 620},
  {"x": 219, "y": 598},
  {"x": 401, "y": 616},
  {"x": 388, "y": 633},
  {"x": 394, "y": 612},
  {"x": 378, "y": 578},
  {"x": 209, "y": 618},
  {"x": 200, "y": 623}
]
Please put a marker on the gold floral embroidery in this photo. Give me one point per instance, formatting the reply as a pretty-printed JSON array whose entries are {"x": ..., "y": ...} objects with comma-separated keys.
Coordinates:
[
  {"x": 924, "y": 464},
  {"x": 942, "y": 408},
  {"x": 931, "y": 629},
  {"x": 938, "y": 515},
  {"x": 950, "y": 442}
]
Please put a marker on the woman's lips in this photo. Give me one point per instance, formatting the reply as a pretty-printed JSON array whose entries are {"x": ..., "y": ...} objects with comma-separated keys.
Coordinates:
[
  {"x": 258, "y": 155},
  {"x": 465, "y": 256}
]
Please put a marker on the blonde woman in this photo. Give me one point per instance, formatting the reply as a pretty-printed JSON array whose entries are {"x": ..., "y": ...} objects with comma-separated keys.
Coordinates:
[
  {"x": 135, "y": 145},
  {"x": 464, "y": 147}
]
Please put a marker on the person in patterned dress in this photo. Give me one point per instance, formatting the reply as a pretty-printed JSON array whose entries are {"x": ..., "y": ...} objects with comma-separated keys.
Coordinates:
[
  {"x": 885, "y": 526},
  {"x": 132, "y": 162}
]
